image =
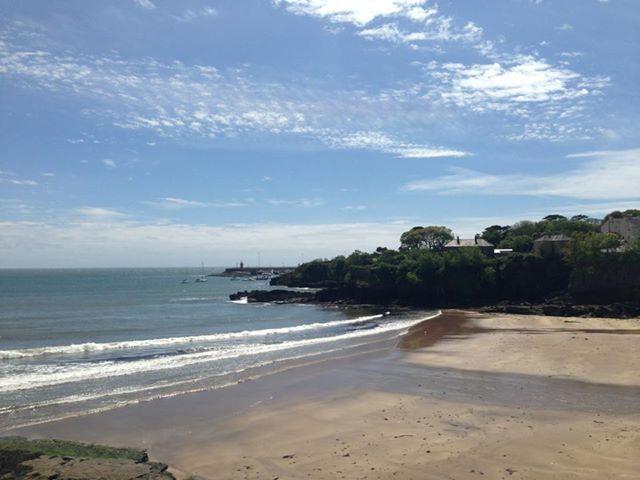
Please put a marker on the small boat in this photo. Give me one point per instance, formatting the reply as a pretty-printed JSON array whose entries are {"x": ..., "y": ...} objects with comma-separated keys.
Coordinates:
[
  {"x": 202, "y": 278},
  {"x": 185, "y": 280}
]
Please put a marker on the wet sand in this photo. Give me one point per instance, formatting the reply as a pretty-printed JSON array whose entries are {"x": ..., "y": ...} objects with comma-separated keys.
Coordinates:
[{"x": 461, "y": 396}]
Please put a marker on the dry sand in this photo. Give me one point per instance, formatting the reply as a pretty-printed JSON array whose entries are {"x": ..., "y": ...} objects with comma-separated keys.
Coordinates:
[{"x": 467, "y": 396}]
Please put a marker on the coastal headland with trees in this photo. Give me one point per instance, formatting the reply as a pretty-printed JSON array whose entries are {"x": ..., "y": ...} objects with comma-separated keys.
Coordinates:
[{"x": 556, "y": 266}]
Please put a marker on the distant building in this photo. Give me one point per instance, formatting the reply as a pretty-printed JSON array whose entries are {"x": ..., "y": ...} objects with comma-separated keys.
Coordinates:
[
  {"x": 502, "y": 251},
  {"x": 551, "y": 245},
  {"x": 627, "y": 227},
  {"x": 477, "y": 242}
]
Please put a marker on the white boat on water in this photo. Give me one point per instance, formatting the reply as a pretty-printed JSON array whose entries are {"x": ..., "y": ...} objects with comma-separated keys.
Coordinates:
[{"x": 202, "y": 278}]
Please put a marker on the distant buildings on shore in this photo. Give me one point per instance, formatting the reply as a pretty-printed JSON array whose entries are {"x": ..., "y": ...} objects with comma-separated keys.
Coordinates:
[
  {"x": 627, "y": 227},
  {"x": 485, "y": 247},
  {"x": 551, "y": 245}
]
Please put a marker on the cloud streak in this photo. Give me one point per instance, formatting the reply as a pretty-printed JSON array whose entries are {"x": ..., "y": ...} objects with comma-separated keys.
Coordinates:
[
  {"x": 175, "y": 203},
  {"x": 380, "y": 141},
  {"x": 606, "y": 175}
]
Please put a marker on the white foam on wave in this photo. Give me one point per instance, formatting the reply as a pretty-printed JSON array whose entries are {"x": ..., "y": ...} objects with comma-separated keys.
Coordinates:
[
  {"x": 241, "y": 301},
  {"x": 49, "y": 375},
  {"x": 85, "y": 348}
]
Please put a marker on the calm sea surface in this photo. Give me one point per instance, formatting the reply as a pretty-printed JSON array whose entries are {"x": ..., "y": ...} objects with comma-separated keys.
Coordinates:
[{"x": 74, "y": 341}]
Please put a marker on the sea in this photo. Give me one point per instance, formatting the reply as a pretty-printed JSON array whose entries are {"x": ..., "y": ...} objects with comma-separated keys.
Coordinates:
[{"x": 75, "y": 341}]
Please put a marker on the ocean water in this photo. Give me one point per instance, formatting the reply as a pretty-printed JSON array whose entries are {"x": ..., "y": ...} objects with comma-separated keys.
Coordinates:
[{"x": 77, "y": 341}]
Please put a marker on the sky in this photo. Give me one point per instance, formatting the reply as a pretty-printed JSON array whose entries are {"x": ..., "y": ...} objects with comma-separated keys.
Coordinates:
[{"x": 164, "y": 133}]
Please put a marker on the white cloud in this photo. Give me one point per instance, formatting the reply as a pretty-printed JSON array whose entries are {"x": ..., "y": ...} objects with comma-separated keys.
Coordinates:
[
  {"x": 358, "y": 12},
  {"x": 190, "y": 15},
  {"x": 109, "y": 163},
  {"x": 148, "y": 4},
  {"x": 175, "y": 203},
  {"x": 527, "y": 80},
  {"x": 300, "y": 202},
  {"x": 47, "y": 174},
  {"x": 605, "y": 175},
  {"x": 550, "y": 102},
  {"x": 427, "y": 24},
  {"x": 98, "y": 212}
]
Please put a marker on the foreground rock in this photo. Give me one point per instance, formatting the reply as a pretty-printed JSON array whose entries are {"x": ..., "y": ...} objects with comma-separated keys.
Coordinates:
[
  {"x": 93, "y": 469},
  {"x": 55, "y": 459}
]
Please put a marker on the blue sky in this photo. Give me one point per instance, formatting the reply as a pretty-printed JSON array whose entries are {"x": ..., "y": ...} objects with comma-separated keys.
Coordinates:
[{"x": 149, "y": 132}]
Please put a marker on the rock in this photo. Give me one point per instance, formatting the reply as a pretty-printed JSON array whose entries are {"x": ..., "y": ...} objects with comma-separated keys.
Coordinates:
[
  {"x": 274, "y": 296},
  {"x": 564, "y": 307},
  {"x": 94, "y": 469}
]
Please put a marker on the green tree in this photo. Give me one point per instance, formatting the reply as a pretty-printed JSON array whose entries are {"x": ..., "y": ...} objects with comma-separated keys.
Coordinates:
[
  {"x": 495, "y": 233},
  {"x": 432, "y": 238},
  {"x": 519, "y": 243},
  {"x": 554, "y": 218}
]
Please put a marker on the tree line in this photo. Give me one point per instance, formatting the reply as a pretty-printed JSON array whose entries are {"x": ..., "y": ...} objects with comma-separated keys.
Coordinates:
[{"x": 423, "y": 272}]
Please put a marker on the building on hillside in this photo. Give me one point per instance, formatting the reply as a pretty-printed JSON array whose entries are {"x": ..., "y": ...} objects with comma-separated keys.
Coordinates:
[
  {"x": 627, "y": 227},
  {"x": 476, "y": 242},
  {"x": 551, "y": 245}
]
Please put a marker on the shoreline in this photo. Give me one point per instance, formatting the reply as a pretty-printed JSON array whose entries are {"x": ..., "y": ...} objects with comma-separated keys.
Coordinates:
[
  {"x": 334, "y": 298},
  {"x": 452, "y": 396},
  {"x": 253, "y": 373}
]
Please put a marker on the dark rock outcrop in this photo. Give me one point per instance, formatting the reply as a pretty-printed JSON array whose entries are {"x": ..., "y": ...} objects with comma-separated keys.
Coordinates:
[
  {"x": 566, "y": 309},
  {"x": 274, "y": 296}
]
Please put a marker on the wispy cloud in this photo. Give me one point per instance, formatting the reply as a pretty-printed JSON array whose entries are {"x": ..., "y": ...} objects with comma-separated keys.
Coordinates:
[
  {"x": 605, "y": 175},
  {"x": 354, "y": 208},
  {"x": 109, "y": 163},
  {"x": 11, "y": 178},
  {"x": 298, "y": 202},
  {"x": 190, "y": 15},
  {"x": 148, "y": 4},
  {"x": 382, "y": 142},
  {"x": 180, "y": 100},
  {"x": 526, "y": 86},
  {"x": 565, "y": 27},
  {"x": 424, "y": 22},
  {"x": 438, "y": 29},
  {"x": 175, "y": 203},
  {"x": 98, "y": 212}
]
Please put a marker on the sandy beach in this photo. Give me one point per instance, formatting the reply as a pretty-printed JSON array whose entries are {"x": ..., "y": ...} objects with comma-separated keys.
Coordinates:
[{"x": 462, "y": 396}]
